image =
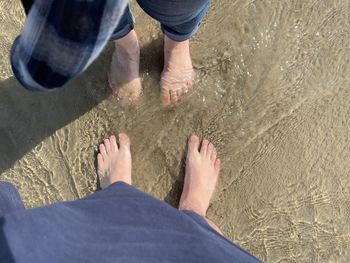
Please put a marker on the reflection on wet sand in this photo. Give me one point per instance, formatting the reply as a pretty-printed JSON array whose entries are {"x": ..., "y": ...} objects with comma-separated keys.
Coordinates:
[{"x": 271, "y": 93}]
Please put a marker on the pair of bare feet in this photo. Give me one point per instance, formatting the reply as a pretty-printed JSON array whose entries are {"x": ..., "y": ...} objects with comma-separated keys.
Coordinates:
[
  {"x": 201, "y": 175},
  {"x": 124, "y": 79}
]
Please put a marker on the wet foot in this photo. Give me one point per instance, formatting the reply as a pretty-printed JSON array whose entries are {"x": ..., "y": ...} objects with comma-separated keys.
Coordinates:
[
  {"x": 202, "y": 172},
  {"x": 124, "y": 78},
  {"x": 113, "y": 162},
  {"x": 178, "y": 74}
]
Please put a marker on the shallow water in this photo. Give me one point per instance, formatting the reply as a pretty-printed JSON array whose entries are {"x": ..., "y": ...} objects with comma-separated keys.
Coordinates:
[{"x": 272, "y": 93}]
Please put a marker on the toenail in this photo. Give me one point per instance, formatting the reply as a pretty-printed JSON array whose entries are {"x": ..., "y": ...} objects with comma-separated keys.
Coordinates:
[
  {"x": 193, "y": 138},
  {"x": 121, "y": 135}
]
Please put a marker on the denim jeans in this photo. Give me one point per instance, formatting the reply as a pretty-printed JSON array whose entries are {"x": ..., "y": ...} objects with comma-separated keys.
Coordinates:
[{"x": 179, "y": 19}]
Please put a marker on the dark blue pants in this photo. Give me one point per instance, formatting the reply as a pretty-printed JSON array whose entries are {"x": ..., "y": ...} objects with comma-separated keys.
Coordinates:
[
  {"x": 10, "y": 201},
  {"x": 117, "y": 224},
  {"x": 179, "y": 19}
]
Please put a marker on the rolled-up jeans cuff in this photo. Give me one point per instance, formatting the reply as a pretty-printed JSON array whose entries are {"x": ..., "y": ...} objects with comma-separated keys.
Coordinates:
[
  {"x": 179, "y": 37},
  {"x": 122, "y": 33},
  {"x": 127, "y": 24},
  {"x": 187, "y": 29}
]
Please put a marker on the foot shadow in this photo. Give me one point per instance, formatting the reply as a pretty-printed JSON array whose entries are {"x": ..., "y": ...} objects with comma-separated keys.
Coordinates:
[
  {"x": 174, "y": 195},
  {"x": 27, "y": 118}
]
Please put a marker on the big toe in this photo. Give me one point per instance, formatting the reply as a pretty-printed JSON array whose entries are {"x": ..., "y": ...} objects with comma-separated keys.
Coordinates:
[
  {"x": 124, "y": 141},
  {"x": 193, "y": 143}
]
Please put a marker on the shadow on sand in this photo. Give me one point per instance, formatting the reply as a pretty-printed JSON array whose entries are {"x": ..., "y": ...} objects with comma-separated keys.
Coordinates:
[{"x": 27, "y": 118}]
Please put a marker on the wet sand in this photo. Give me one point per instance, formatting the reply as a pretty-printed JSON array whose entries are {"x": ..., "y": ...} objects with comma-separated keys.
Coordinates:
[{"x": 272, "y": 93}]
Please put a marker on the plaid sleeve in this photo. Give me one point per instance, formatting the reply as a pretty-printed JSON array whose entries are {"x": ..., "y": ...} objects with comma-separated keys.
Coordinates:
[{"x": 61, "y": 38}]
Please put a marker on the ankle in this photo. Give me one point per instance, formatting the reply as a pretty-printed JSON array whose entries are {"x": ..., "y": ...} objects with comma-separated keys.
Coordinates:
[
  {"x": 128, "y": 45},
  {"x": 171, "y": 46},
  {"x": 130, "y": 51},
  {"x": 184, "y": 205}
]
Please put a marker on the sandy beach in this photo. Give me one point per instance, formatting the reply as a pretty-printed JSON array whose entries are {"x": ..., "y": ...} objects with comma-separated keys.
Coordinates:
[{"x": 272, "y": 93}]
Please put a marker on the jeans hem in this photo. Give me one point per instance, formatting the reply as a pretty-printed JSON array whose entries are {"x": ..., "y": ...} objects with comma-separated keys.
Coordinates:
[
  {"x": 122, "y": 33},
  {"x": 177, "y": 37}
]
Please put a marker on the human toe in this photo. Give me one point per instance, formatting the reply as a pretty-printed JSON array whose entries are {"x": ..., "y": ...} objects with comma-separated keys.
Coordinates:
[
  {"x": 113, "y": 143},
  {"x": 185, "y": 89},
  {"x": 102, "y": 149},
  {"x": 213, "y": 155},
  {"x": 100, "y": 161},
  {"x": 165, "y": 96},
  {"x": 107, "y": 145},
  {"x": 210, "y": 149},
  {"x": 217, "y": 165},
  {"x": 173, "y": 96},
  {"x": 100, "y": 164},
  {"x": 193, "y": 143},
  {"x": 124, "y": 140},
  {"x": 179, "y": 94},
  {"x": 204, "y": 146},
  {"x": 189, "y": 84}
]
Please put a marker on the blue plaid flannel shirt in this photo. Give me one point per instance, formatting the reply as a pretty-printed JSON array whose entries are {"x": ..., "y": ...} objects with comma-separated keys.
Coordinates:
[{"x": 61, "y": 38}]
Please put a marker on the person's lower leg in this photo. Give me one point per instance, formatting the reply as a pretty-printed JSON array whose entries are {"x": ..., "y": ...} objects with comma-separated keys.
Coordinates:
[
  {"x": 179, "y": 21},
  {"x": 124, "y": 78}
]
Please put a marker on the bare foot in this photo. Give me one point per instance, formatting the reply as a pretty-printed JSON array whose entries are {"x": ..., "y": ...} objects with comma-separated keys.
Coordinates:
[
  {"x": 202, "y": 172},
  {"x": 178, "y": 74},
  {"x": 113, "y": 162},
  {"x": 124, "y": 78}
]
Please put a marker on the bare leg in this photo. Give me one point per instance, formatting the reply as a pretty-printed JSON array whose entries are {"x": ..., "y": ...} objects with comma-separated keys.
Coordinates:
[
  {"x": 177, "y": 77},
  {"x": 124, "y": 78},
  {"x": 202, "y": 173},
  {"x": 113, "y": 162}
]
